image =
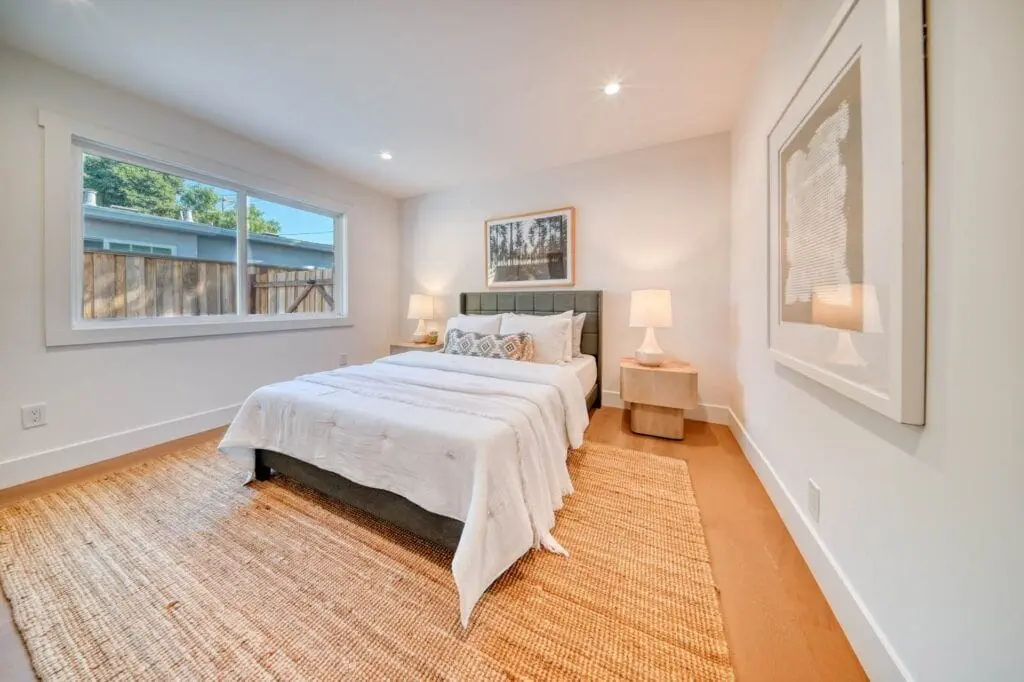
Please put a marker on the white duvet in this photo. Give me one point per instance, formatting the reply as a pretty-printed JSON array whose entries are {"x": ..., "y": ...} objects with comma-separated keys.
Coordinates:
[{"x": 479, "y": 440}]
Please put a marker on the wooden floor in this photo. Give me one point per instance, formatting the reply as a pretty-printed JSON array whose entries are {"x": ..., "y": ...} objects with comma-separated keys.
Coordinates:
[{"x": 778, "y": 623}]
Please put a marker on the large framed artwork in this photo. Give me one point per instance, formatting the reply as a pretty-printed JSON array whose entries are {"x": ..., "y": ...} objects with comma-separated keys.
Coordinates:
[
  {"x": 531, "y": 250},
  {"x": 846, "y": 212}
]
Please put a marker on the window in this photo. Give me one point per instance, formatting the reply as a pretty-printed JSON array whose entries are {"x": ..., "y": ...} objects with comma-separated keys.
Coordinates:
[
  {"x": 135, "y": 247},
  {"x": 291, "y": 259},
  {"x": 160, "y": 235},
  {"x": 141, "y": 214}
]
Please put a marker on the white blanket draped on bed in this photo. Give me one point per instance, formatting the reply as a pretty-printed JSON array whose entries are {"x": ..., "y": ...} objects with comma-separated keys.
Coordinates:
[{"x": 479, "y": 440}]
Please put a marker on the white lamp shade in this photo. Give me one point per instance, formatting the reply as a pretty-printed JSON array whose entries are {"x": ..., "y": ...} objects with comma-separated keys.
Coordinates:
[
  {"x": 421, "y": 307},
  {"x": 853, "y": 307},
  {"x": 650, "y": 308}
]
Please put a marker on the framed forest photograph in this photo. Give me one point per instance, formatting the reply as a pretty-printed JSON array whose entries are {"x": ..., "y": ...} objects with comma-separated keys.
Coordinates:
[{"x": 531, "y": 250}]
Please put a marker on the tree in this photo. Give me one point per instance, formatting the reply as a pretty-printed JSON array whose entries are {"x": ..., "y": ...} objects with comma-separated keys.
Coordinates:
[
  {"x": 204, "y": 204},
  {"x": 128, "y": 186},
  {"x": 202, "y": 201},
  {"x": 534, "y": 238},
  {"x": 260, "y": 223}
]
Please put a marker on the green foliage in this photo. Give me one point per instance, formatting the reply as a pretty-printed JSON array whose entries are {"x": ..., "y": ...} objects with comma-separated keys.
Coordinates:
[
  {"x": 260, "y": 223},
  {"x": 203, "y": 202},
  {"x": 128, "y": 186}
]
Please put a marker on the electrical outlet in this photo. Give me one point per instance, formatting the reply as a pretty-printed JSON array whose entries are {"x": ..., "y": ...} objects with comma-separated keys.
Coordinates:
[
  {"x": 343, "y": 360},
  {"x": 814, "y": 500},
  {"x": 33, "y": 415}
]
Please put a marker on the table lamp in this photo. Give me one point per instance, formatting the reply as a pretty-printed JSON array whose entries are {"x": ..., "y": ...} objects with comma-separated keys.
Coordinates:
[
  {"x": 421, "y": 307},
  {"x": 650, "y": 308}
]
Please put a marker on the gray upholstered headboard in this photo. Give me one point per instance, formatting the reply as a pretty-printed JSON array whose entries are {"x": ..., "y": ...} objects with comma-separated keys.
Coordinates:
[{"x": 545, "y": 303}]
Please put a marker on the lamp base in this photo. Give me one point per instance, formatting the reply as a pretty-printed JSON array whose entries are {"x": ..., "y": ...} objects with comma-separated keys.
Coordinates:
[
  {"x": 649, "y": 359},
  {"x": 421, "y": 334},
  {"x": 649, "y": 354}
]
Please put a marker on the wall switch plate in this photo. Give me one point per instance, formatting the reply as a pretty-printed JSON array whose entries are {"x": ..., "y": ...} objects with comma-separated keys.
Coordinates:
[
  {"x": 33, "y": 415},
  {"x": 343, "y": 360},
  {"x": 813, "y": 500}
]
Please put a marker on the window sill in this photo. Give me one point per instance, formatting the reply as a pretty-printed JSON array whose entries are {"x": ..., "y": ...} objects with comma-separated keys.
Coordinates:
[{"x": 148, "y": 329}]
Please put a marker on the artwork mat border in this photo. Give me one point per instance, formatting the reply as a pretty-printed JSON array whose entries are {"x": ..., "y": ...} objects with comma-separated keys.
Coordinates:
[
  {"x": 569, "y": 281},
  {"x": 905, "y": 401}
]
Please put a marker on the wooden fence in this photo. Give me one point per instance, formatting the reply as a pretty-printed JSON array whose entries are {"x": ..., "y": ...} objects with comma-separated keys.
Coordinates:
[{"x": 121, "y": 285}]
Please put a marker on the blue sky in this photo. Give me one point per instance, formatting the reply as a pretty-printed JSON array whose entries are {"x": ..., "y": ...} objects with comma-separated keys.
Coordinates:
[
  {"x": 309, "y": 227},
  {"x": 295, "y": 223}
]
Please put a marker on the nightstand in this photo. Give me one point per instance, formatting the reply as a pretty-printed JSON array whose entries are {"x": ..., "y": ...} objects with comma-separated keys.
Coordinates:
[
  {"x": 658, "y": 396},
  {"x": 403, "y": 346}
]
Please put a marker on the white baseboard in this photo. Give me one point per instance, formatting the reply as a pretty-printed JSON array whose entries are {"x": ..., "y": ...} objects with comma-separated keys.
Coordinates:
[
  {"x": 715, "y": 414},
  {"x": 872, "y": 647},
  {"x": 611, "y": 399},
  {"x": 68, "y": 457}
]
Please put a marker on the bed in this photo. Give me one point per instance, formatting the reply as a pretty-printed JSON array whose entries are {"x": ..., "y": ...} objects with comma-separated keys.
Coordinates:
[{"x": 425, "y": 440}]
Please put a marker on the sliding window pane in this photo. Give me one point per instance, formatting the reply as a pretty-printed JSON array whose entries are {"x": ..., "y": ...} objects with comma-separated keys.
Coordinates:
[
  {"x": 291, "y": 259},
  {"x": 155, "y": 244}
]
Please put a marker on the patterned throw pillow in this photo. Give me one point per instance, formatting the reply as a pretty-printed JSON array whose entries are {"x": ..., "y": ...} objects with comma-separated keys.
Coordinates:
[{"x": 518, "y": 346}]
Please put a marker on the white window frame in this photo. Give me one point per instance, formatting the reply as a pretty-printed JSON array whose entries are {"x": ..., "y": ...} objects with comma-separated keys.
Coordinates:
[
  {"x": 64, "y": 140},
  {"x": 173, "y": 248}
]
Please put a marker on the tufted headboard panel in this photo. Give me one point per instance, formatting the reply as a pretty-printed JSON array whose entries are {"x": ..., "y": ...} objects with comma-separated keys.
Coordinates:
[{"x": 545, "y": 303}]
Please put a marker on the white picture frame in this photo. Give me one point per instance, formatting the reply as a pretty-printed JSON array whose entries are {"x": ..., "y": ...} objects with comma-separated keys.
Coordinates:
[
  {"x": 847, "y": 216},
  {"x": 531, "y": 249}
]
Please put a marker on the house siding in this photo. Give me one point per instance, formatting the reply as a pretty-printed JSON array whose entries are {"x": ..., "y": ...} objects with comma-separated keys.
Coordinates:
[
  {"x": 203, "y": 242},
  {"x": 185, "y": 245}
]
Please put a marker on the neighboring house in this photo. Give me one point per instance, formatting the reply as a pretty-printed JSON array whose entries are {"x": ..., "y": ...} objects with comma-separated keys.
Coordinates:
[{"x": 115, "y": 229}]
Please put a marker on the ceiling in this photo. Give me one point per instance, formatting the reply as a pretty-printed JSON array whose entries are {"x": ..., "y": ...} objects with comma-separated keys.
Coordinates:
[{"x": 458, "y": 90}]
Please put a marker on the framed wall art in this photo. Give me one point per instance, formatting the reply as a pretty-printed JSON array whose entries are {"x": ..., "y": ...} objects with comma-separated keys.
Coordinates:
[
  {"x": 531, "y": 250},
  {"x": 847, "y": 213}
]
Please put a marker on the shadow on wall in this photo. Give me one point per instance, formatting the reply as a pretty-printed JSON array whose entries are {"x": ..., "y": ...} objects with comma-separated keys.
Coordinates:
[
  {"x": 737, "y": 402},
  {"x": 903, "y": 436}
]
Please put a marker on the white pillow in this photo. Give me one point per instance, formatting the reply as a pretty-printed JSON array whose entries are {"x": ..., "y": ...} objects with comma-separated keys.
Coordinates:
[
  {"x": 484, "y": 324},
  {"x": 552, "y": 335},
  {"x": 577, "y": 334}
]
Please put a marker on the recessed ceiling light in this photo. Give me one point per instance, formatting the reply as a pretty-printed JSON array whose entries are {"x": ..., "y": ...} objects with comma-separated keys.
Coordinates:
[
  {"x": 612, "y": 88},
  {"x": 385, "y": 155}
]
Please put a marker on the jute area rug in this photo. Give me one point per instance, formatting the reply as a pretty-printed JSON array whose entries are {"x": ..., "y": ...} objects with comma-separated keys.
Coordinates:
[{"x": 171, "y": 570}]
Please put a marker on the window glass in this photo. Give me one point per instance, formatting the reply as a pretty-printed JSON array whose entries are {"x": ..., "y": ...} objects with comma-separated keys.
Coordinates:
[
  {"x": 291, "y": 259},
  {"x": 155, "y": 244}
]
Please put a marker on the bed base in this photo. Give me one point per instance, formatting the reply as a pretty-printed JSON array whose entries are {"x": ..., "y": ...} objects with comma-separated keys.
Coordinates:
[{"x": 386, "y": 506}]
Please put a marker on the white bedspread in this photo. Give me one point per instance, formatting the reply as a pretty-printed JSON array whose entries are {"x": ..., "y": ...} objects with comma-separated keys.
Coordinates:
[{"x": 479, "y": 440}]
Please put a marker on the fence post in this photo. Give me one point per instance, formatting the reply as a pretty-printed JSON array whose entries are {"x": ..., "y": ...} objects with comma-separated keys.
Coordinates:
[{"x": 253, "y": 303}]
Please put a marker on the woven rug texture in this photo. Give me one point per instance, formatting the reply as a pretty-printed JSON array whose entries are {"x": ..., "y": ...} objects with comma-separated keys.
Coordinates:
[{"x": 172, "y": 570}]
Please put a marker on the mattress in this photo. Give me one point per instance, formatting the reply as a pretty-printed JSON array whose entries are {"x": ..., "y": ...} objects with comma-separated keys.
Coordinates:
[{"x": 585, "y": 369}]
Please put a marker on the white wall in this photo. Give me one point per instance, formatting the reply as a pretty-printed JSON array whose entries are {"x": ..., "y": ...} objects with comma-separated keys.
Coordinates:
[
  {"x": 922, "y": 524},
  {"x": 94, "y": 392},
  {"x": 654, "y": 218}
]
